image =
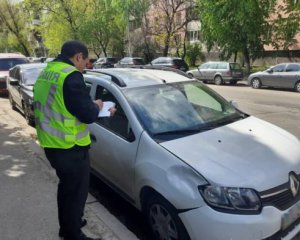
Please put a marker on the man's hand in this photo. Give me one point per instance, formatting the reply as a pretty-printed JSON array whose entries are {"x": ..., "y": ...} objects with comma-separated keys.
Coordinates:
[
  {"x": 99, "y": 103},
  {"x": 112, "y": 111}
]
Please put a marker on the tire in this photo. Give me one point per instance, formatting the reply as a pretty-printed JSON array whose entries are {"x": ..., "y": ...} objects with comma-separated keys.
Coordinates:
[
  {"x": 233, "y": 82},
  {"x": 12, "y": 102},
  {"x": 256, "y": 83},
  {"x": 218, "y": 80},
  {"x": 190, "y": 75},
  {"x": 297, "y": 87},
  {"x": 28, "y": 117},
  {"x": 163, "y": 220}
]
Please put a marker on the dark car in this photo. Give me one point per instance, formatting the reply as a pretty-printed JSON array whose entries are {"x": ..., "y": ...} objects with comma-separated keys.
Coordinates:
[
  {"x": 20, "y": 84},
  {"x": 172, "y": 62},
  {"x": 129, "y": 62},
  {"x": 7, "y": 61},
  {"x": 105, "y": 62},
  {"x": 218, "y": 72},
  {"x": 284, "y": 75}
]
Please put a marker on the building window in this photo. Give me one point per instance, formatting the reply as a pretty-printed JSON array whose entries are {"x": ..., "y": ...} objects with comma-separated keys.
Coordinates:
[{"x": 194, "y": 36}]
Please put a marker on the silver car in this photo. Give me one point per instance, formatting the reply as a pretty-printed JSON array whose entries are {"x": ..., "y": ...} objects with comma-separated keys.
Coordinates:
[
  {"x": 284, "y": 75},
  {"x": 197, "y": 167},
  {"x": 218, "y": 72}
]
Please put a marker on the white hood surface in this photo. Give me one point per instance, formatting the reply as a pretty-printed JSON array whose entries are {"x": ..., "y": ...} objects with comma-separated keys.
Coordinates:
[{"x": 247, "y": 153}]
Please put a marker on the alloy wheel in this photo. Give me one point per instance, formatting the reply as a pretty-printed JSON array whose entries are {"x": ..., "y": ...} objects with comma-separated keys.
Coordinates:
[{"x": 163, "y": 225}]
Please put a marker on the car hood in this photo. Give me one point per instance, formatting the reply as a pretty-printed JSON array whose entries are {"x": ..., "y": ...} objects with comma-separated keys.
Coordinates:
[
  {"x": 247, "y": 153},
  {"x": 3, "y": 73}
]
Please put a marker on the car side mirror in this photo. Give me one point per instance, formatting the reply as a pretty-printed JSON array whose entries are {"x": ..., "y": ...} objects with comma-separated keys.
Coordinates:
[
  {"x": 270, "y": 70},
  {"x": 234, "y": 103},
  {"x": 14, "y": 82}
]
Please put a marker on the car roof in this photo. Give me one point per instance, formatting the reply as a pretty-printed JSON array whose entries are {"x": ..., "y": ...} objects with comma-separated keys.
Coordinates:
[
  {"x": 136, "y": 77},
  {"x": 11, "y": 55},
  {"x": 31, "y": 65}
]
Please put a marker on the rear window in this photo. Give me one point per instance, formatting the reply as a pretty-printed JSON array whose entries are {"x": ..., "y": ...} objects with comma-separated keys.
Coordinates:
[
  {"x": 235, "y": 66},
  {"x": 138, "y": 61},
  {"x": 111, "y": 60},
  {"x": 7, "y": 63},
  {"x": 179, "y": 62}
]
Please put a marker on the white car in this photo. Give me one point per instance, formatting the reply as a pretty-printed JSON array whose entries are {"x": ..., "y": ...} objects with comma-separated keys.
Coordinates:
[{"x": 195, "y": 165}]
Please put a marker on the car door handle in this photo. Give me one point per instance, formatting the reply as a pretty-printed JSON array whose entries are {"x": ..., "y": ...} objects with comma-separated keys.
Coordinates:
[{"x": 93, "y": 138}]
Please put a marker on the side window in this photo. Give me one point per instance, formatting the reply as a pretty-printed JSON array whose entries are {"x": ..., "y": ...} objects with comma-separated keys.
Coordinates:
[
  {"x": 293, "y": 68},
  {"x": 279, "y": 68},
  {"x": 118, "y": 123},
  {"x": 222, "y": 65},
  {"x": 204, "y": 66}
]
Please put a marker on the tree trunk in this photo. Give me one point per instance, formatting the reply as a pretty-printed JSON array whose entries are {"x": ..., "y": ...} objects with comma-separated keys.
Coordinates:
[{"x": 247, "y": 60}]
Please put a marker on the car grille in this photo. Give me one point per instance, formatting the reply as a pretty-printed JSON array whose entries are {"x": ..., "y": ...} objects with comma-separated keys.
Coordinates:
[{"x": 280, "y": 197}]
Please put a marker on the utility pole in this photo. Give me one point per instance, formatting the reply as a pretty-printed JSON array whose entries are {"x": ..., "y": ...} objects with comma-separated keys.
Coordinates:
[{"x": 128, "y": 30}]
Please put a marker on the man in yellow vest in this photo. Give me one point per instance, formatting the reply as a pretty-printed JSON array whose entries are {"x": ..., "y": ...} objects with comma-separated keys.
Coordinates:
[{"x": 63, "y": 108}]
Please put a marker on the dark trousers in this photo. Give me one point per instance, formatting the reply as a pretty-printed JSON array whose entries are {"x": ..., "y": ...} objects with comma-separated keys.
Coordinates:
[{"x": 72, "y": 168}]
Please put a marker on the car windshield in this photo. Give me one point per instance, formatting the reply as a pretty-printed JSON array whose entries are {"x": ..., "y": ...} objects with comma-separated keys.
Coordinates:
[
  {"x": 7, "y": 63},
  {"x": 180, "y": 109},
  {"x": 30, "y": 75},
  {"x": 111, "y": 60},
  {"x": 235, "y": 66}
]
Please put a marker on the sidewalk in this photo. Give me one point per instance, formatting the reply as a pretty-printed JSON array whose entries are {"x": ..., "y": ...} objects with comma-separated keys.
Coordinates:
[{"x": 28, "y": 190}]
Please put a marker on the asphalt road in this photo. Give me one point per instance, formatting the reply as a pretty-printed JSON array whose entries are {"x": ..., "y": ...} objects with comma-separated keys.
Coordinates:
[{"x": 280, "y": 107}]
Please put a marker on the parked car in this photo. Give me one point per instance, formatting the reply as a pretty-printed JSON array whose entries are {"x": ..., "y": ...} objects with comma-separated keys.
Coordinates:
[
  {"x": 20, "y": 84},
  {"x": 284, "y": 75},
  {"x": 195, "y": 165},
  {"x": 105, "y": 62},
  {"x": 172, "y": 62},
  {"x": 218, "y": 72},
  {"x": 7, "y": 61},
  {"x": 129, "y": 61}
]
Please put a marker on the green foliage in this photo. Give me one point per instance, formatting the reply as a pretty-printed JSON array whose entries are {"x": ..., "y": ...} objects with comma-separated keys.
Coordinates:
[
  {"x": 236, "y": 26},
  {"x": 194, "y": 54}
]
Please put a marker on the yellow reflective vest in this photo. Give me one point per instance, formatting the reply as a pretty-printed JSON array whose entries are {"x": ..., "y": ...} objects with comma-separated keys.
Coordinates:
[{"x": 56, "y": 127}]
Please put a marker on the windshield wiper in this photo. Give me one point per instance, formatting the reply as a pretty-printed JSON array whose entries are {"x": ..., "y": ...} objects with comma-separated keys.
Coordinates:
[{"x": 179, "y": 131}]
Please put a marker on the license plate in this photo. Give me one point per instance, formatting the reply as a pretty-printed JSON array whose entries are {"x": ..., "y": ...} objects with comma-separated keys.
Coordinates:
[{"x": 291, "y": 216}]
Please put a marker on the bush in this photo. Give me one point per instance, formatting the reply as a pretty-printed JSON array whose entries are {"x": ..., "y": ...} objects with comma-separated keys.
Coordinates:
[{"x": 194, "y": 53}]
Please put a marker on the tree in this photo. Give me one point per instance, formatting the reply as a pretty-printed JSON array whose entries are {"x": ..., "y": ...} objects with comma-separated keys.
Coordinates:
[
  {"x": 101, "y": 27},
  {"x": 236, "y": 26},
  {"x": 169, "y": 21},
  {"x": 12, "y": 18}
]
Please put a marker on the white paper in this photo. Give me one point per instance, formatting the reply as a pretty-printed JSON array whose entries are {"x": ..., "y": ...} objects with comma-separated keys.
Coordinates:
[{"x": 106, "y": 106}]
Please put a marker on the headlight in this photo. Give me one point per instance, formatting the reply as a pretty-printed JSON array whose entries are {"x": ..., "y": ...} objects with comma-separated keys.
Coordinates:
[{"x": 231, "y": 199}]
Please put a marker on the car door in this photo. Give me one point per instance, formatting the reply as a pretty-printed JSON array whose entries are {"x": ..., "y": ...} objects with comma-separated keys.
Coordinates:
[
  {"x": 274, "y": 77},
  {"x": 203, "y": 71},
  {"x": 114, "y": 142},
  {"x": 291, "y": 75},
  {"x": 15, "y": 83}
]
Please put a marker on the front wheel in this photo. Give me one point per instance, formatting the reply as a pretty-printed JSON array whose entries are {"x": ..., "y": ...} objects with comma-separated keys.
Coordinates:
[
  {"x": 255, "y": 83},
  {"x": 163, "y": 220},
  {"x": 218, "y": 80},
  {"x": 28, "y": 117},
  {"x": 297, "y": 87}
]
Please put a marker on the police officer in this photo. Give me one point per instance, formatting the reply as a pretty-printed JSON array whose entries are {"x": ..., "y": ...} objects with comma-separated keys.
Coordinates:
[{"x": 63, "y": 108}]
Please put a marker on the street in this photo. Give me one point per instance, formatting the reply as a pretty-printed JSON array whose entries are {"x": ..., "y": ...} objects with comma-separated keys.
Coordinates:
[{"x": 280, "y": 107}]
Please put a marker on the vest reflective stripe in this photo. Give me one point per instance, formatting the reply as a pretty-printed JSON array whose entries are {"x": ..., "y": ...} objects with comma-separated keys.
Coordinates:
[
  {"x": 49, "y": 114},
  {"x": 67, "y": 137}
]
